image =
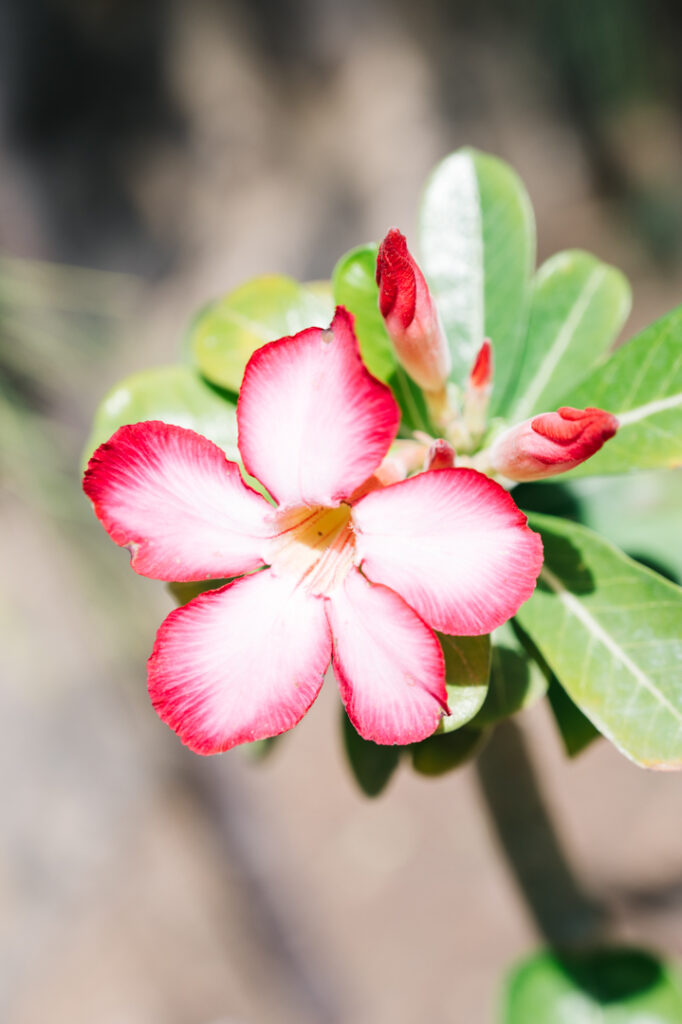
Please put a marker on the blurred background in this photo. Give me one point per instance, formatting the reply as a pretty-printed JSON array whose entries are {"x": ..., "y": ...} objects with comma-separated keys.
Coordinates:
[{"x": 156, "y": 153}]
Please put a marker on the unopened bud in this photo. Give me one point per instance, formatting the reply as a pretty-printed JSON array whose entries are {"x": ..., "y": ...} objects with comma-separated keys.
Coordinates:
[
  {"x": 479, "y": 388},
  {"x": 551, "y": 443},
  {"x": 410, "y": 315},
  {"x": 441, "y": 455}
]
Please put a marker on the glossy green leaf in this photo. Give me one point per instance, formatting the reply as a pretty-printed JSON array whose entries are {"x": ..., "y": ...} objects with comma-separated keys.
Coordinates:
[
  {"x": 516, "y": 680},
  {"x": 642, "y": 384},
  {"x": 576, "y": 731},
  {"x": 174, "y": 394},
  {"x": 355, "y": 287},
  {"x": 372, "y": 764},
  {"x": 227, "y": 333},
  {"x": 442, "y": 752},
  {"x": 611, "y": 631},
  {"x": 467, "y": 671},
  {"x": 578, "y": 306},
  {"x": 604, "y": 986},
  {"x": 477, "y": 243}
]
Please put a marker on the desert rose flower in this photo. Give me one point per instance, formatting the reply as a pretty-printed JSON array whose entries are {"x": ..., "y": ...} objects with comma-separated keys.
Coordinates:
[
  {"x": 410, "y": 315},
  {"x": 333, "y": 571},
  {"x": 551, "y": 443}
]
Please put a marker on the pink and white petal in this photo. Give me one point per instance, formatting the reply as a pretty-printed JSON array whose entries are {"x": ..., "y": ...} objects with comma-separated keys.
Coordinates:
[
  {"x": 240, "y": 663},
  {"x": 453, "y": 544},
  {"x": 171, "y": 497},
  {"x": 313, "y": 423},
  {"x": 388, "y": 663}
]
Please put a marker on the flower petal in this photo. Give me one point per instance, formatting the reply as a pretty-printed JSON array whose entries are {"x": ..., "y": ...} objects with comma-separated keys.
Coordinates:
[
  {"x": 313, "y": 423},
  {"x": 453, "y": 544},
  {"x": 239, "y": 664},
  {"x": 388, "y": 663},
  {"x": 171, "y": 497}
]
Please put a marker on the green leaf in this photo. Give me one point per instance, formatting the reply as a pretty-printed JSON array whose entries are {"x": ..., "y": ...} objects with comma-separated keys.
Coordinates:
[
  {"x": 604, "y": 986},
  {"x": 228, "y": 332},
  {"x": 174, "y": 394},
  {"x": 642, "y": 384},
  {"x": 183, "y": 593},
  {"x": 516, "y": 680},
  {"x": 639, "y": 513},
  {"x": 477, "y": 239},
  {"x": 442, "y": 752},
  {"x": 372, "y": 764},
  {"x": 576, "y": 731},
  {"x": 611, "y": 631},
  {"x": 354, "y": 284},
  {"x": 355, "y": 287},
  {"x": 467, "y": 671},
  {"x": 578, "y": 306}
]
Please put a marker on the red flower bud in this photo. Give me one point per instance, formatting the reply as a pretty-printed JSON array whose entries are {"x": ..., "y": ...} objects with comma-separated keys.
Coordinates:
[
  {"x": 551, "y": 443},
  {"x": 479, "y": 388},
  {"x": 441, "y": 455},
  {"x": 481, "y": 376},
  {"x": 410, "y": 315}
]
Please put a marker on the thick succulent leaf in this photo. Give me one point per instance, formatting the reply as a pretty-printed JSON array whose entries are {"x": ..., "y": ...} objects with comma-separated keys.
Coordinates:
[
  {"x": 467, "y": 671},
  {"x": 640, "y": 513},
  {"x": 611, "y": 631},
  {"x": 443, "y": 752},
  {"x": 372, "y": 765},
  {"x": 174, "y": 394},
  {"x": 576, "y": 731},
  {"x": 578, "y": 306},
  {"x": 642, "y": 384},
  {"x": 355, "y": 287},
  {"x": 609, "y": 986},
  {"x": 227, "y": 333},
  {"x": 516, "y": 680},
  {"x": 477, "y": 241}
]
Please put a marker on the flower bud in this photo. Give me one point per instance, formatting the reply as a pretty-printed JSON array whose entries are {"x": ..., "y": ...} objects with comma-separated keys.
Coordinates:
[
  {"x": 551, "y": 443},
  {"x": 441, "y": 455},
  {"x": 410, "y": 315},
  {"x": 479, "y": 388}
]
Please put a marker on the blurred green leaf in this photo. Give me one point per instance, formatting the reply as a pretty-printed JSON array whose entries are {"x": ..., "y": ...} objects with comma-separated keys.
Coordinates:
[
  {"x": 174, "y": 394},
  {"x": 228, "y": 332},
  {"x": 372, "y": 764},
  {"x": 605, "y": 986},
  {"x": 611, "y": 631},
  {"x": 516, "y": 680},
  {"x": 642, "y": 384},
  {"x": 477, "y": 239},
  {"x": 578, "y": 306},
  {"x": 443, "y": 752},
  {"x": 467, "y": 671},
  {"x": 355, "y": 288},
  {"x": 576, "y": 731}
]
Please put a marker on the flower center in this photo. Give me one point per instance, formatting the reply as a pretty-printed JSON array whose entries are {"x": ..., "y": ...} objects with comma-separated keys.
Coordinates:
[{"x": 316, "y": 545}]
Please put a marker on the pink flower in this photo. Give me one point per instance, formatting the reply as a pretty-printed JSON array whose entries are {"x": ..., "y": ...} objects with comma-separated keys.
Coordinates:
[
  {"x": 551, "y": 443},
  {"x": 410, "y": 315},
  {"x": 335, "y": 570}
]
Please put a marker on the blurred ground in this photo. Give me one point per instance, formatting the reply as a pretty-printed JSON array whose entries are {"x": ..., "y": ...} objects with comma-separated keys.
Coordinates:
[{"x": 139, "y": 884}]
